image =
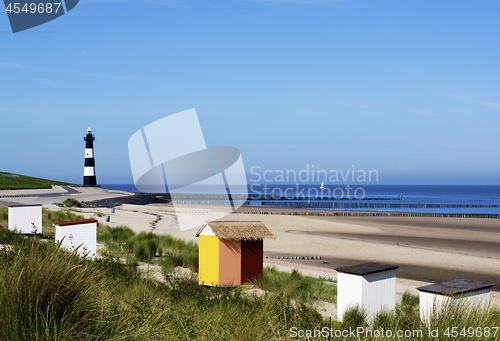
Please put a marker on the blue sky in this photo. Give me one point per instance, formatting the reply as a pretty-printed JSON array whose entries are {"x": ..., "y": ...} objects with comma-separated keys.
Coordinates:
[{"x": 408, "y": 88}]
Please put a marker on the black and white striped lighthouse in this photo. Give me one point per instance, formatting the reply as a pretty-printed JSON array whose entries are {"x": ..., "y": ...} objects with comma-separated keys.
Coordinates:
[{"x": 89, "y": 169}]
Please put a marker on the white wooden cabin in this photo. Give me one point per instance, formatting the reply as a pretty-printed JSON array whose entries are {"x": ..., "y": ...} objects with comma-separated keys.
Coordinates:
[
  {"x": 461, "y": 291},
  {"x": 371, "y": 286},
  {"x": 26, "y": 219},
  {"x": 76, "y": 233}
]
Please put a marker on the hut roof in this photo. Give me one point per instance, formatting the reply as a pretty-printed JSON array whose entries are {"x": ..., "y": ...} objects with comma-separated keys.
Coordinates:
[
  {"x": 76, "y": 222},
  {"x": 241, "y": 230},
  {"x": 457, "y": 287},
  {"x": 367, "y": 268}
]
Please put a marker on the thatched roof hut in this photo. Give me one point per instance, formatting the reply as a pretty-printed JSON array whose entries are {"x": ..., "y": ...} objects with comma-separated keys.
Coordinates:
[
  {"x": 239, "y": 230},
  {"x": 231, "y": 252}
]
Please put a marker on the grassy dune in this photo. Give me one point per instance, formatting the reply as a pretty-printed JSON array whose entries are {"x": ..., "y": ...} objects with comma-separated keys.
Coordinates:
[
  {"x": 51, "y": 294},
  {"x": 10, "y": 181}
]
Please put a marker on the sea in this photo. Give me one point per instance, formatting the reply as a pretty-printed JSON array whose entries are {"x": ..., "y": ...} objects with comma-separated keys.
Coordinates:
[{"x": 466, "y": 199}]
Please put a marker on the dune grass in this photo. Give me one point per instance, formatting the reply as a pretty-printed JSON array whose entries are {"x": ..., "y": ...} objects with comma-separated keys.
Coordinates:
[
  {"x": 296, "y": 286},
  {"x": 165, "y": 250},
  {"x": 4, "y": 215},
  {"x": 10, "y": 181},
  {"x": 452, "y": 321},
  {"x": 184, "y": 310},
  {"x": 50, "y": 294}
]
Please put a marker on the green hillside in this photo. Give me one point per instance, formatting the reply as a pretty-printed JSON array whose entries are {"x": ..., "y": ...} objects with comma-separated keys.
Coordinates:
[{"x": 16, "y": 181}]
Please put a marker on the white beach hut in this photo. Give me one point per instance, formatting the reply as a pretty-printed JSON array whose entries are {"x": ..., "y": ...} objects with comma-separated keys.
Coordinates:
[
  {"x": 460, "y": 291},
  {"x": 371, "y": 286},
  {"x": 76, "y": 233},
  {"x": 26, "y": 219}
]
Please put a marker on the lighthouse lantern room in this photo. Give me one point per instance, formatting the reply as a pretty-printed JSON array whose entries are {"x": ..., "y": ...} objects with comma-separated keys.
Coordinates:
[{"x": 89, "y": 179}]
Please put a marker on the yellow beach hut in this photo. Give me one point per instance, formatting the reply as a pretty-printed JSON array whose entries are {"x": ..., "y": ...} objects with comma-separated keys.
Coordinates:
[{"x": 231, "y": 252}]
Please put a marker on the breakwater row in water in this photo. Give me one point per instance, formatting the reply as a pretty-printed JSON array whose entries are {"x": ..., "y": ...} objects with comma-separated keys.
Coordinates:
[
  {"x": 303, "y": 198},
  {"x": 379, "y": 214},
  {"x": 254, "y": 197},
  {"x": 369, "y": 205}
]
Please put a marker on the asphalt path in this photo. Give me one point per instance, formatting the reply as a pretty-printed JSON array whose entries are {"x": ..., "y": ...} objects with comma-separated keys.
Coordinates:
[{"x": 69, "y": 190}]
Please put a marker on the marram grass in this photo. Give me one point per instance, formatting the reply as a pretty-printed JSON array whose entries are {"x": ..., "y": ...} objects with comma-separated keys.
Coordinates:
[
  {"x": 452, "y": 321},
  {"x": 168, "y": 251},
  {"x": 48, "y": 294},
  {"x": 297, "y": 286}
]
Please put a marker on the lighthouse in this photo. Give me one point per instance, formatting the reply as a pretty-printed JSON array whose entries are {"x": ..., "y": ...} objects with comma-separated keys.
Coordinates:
[{"x": 89, "y": 169}]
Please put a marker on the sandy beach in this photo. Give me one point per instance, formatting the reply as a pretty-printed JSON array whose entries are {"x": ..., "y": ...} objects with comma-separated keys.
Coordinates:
[{"x": 428, "y": 250}]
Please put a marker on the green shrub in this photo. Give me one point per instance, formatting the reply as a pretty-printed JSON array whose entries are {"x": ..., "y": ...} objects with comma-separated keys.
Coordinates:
[
  {"x": 189, "y": 256},
  {"x": 167, "y": 264},
  {"x": 145, "y": 245},
  {"x": 166, "y": 240},
  {"x": 115, "y": 270},
  {"x": 152, "y": 246},
  {"x": 70, "y": 202},
  {"x": 384, "y": 319},
  {"x": 4, "y": 215},
  {"x": 10, "y": 237},
  {"x": 118, "y": 234},
  {"x": 355, "y": 317},
  {"x": 409, "y": 299},
  {"x": 141, "y": 250}
]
